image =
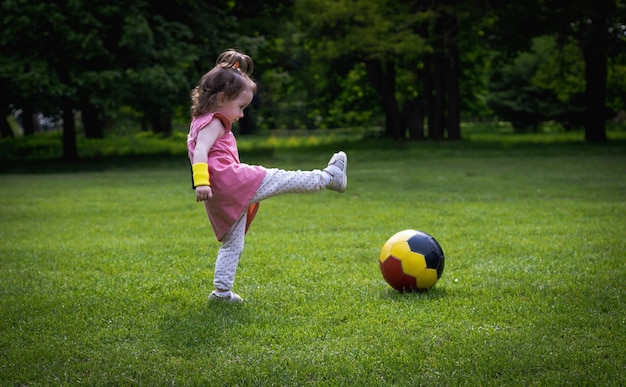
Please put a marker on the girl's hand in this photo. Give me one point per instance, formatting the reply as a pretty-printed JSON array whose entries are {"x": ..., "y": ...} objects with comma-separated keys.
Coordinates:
[{"x": 203, "y": 193}]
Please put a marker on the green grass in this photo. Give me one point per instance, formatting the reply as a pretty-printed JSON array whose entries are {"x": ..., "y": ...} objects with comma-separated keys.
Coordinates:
[{"x": 104, "y": 274}]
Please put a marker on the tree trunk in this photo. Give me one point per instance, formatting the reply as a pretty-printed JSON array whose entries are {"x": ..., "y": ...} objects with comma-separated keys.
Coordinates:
[
  {"x": 414, "y": 113},
  {"x": 453, "y": 121},
  {"x": 595, "y": 49},
  {"x": 428, "y": 90},
  {"x": 436, "y": 130},
  {"x": 384, "y": 82},
  {"x": 161, "y": 122},
  {"x": 28, "y": 120},
  {"x": 70, "y": 150},
  {"x": 94, "y": 126}
]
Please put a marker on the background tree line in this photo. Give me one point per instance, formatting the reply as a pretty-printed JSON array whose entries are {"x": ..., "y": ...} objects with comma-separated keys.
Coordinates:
[{"x": 416, "y": 68}]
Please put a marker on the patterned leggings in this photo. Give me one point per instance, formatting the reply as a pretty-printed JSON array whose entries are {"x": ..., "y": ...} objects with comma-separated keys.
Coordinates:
[{"x": 276, "y": 182}]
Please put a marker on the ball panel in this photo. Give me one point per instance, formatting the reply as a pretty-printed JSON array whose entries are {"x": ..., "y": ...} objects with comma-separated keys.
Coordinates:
[
  {"x": 413, "y": 263},
  {"x": 433, "y": 260},
  {"x": 440, "y": 267},
  {"x": 438, "y": 248},
  {"x": 420, "y": 242},
  {"x": 385, "y": 252},
  {"x": 427, "y": 279},
  {"x": 401, "y": 236},
  {"x": 400, "y": 249},
  {"x": 406, "y": 283},
  {"x": 442, "y": 256},
  {"x": 391, "y": 268},
  {"x": 392, "y": 272},
  {"x": 384, "y": 255}
]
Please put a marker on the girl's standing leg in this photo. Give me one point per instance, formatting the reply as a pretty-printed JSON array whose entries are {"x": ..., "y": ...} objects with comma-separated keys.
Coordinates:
[{"x": 229, "y": 254}]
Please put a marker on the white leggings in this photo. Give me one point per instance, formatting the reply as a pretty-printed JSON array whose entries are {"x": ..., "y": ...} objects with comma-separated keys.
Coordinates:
[{"x": 276, "y": 182}]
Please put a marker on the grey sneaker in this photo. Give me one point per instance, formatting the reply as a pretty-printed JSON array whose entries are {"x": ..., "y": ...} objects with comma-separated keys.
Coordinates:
[
  {"x": 232, "y": 297},
  {"x": 337, "y": 167}
]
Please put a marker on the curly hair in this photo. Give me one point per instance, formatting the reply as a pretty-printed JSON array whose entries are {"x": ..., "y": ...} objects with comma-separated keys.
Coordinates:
[{"x": 230, "y": 76}]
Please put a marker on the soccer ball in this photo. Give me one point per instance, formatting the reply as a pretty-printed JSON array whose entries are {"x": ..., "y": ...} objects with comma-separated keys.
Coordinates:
[{"x": 411, "y": 261}]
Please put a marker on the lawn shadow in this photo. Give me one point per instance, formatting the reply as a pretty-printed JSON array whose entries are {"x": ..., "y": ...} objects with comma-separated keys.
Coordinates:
[
  {"x": 435, "y": 293},
  {"x": 202, "y": 325}
]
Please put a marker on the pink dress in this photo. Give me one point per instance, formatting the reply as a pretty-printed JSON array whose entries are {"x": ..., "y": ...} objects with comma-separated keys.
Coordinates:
[{"x": 233, "y": 183}]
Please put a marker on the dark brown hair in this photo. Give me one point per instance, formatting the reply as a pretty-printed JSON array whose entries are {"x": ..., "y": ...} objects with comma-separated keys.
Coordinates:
[{"x": 230, "y": 76}]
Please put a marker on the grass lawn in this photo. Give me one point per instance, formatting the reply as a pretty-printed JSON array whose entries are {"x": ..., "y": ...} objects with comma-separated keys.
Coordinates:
[{"x": 104, "y": 275}]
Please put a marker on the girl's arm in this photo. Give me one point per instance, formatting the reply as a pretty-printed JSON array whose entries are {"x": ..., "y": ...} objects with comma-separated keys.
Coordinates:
[{"x": 206, "y": 138}]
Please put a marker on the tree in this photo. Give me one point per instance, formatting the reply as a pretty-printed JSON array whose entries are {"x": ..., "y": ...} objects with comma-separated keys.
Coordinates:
[
  {"x": 266, "y": 32},
  {"x": 528, "y": 91},
  {"x": 53, "y": 54},
  {"x": 165, "y": 47},
  {"x": 29, "y": 82},
  {"x": 595, "y": 26},
  {"x": 384, "y": 36},
  {"x": 67, "y": 56},
  {"x": 412, "y": 52}
]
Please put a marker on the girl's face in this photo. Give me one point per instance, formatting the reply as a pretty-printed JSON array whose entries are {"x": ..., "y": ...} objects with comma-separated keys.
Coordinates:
[{"x": 233, "y": 108}]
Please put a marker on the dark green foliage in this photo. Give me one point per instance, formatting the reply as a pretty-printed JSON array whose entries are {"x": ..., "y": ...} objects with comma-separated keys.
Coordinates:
[
  {"x": 529, "y": 91},
  {"x": 320, "y": 64}
]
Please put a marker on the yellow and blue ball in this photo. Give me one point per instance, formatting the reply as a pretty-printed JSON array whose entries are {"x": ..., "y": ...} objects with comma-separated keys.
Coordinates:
[{"x": 411, "y": 260}]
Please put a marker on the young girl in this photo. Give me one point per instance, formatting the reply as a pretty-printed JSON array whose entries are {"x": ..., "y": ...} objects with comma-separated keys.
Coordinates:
[{"x": 231, "y": 191}]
